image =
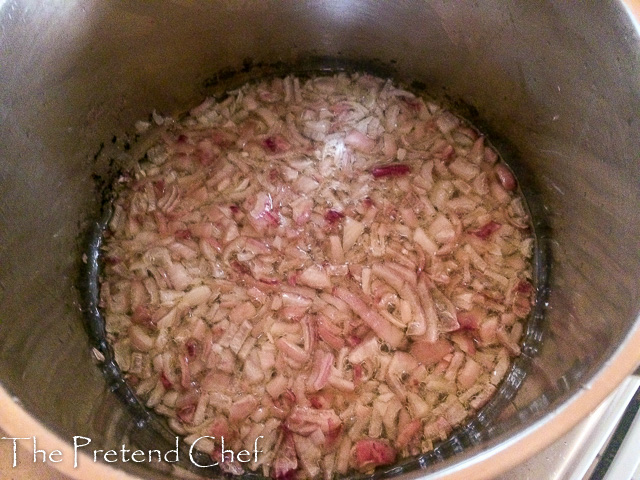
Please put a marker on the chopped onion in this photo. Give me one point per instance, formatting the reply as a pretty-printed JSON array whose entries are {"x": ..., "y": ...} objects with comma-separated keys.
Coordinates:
[{"x": 333, "y": 264}]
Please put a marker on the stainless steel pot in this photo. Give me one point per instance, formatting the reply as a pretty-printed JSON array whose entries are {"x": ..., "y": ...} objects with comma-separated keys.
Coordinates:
[{"x": 556, "y": 86}]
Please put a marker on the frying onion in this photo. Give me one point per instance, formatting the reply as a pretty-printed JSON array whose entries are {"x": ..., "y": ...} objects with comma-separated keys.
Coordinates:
[{"x": 334, "y": 264}]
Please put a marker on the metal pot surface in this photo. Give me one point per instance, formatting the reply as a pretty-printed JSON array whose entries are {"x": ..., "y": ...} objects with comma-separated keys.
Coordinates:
[{"x": 555, "y": 86}]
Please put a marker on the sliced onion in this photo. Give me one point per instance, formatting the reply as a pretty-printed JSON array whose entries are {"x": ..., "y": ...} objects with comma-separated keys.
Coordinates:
[{"x": 332, "y": 264}]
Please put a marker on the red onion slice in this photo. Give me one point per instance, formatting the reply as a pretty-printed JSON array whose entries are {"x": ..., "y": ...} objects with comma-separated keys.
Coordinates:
[{"x": 390, "y": 170}]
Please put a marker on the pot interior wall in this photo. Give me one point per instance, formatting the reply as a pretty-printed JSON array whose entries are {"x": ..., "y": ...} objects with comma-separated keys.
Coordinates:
[{"x": 557, "y": 89}]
